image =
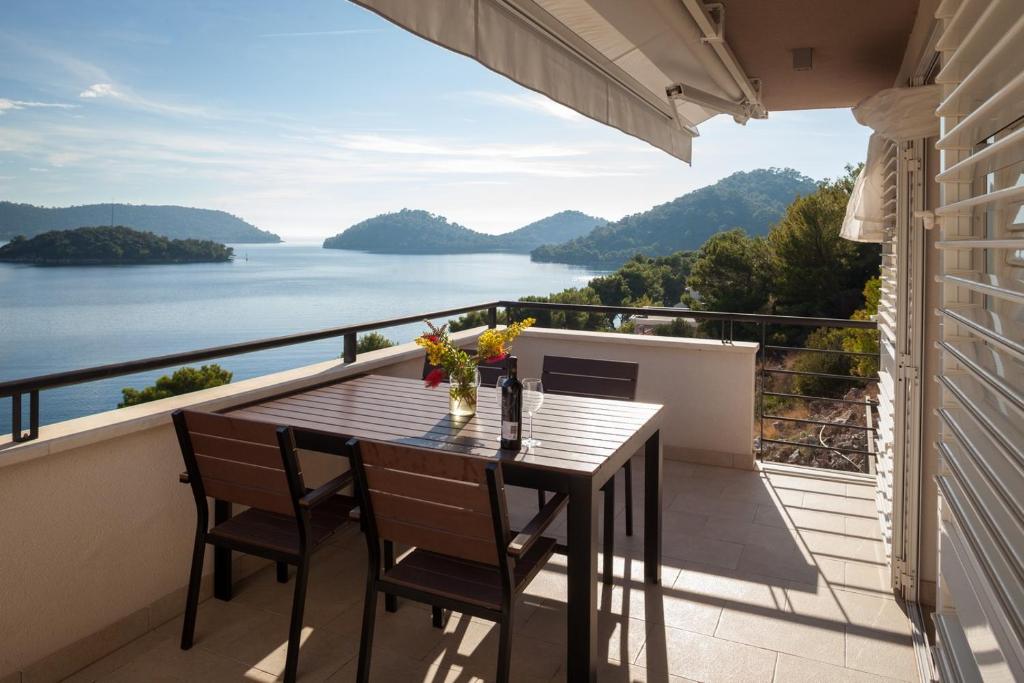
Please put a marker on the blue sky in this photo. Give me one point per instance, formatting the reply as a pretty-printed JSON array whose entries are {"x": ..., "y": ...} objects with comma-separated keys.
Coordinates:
[{"x": 307, "y": 116}]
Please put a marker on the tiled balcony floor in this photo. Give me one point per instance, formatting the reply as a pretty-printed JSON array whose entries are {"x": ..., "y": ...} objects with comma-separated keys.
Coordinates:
[{"x": 766, "y": 576}]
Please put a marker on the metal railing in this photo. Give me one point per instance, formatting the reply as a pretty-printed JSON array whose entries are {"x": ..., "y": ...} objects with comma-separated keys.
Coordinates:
[{"x": 751, "y": 326}]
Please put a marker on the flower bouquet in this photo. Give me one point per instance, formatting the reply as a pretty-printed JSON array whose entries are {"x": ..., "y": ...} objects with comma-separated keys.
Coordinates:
[{"x": 459, "y": 366}]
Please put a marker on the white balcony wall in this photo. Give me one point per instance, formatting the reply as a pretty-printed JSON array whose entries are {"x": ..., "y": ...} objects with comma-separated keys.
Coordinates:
[{"x": 706, "y": 386}]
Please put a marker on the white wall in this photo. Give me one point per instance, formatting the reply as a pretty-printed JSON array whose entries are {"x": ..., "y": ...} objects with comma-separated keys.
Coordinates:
[{"x": 706, "y": 386}]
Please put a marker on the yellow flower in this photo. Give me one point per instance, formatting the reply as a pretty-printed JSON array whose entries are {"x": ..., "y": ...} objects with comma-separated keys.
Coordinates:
[{"x": 492, "y": 344}]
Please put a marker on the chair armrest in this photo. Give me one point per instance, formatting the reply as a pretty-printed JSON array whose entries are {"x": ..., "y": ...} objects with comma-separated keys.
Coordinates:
[
  {"x": 184, "y": 478},
  {"x": 319, "y": 495},
  {"x": 536, "y": 526}
]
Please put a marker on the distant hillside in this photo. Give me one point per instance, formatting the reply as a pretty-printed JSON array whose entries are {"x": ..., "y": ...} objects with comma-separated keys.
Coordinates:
[
  {"x": 178, "y": 222},
  {"x": 412, "y": 231},
  {"x": 560, "y": 227},
  {"x": 751, "y": 200},
  {"x": 116, "y": 245}
]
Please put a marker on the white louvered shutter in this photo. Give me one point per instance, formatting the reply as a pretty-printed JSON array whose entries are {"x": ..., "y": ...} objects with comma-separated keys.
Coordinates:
[
  {"x": 888, "y": 371},
  {"x": 980, "y": 610}
]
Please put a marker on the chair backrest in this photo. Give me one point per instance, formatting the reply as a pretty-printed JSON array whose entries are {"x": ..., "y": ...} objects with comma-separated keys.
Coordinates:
[
  {"x": 241, "y": 461},
  {"x": 593, "y": 377},
  {"x": 430, "y": 499},
  {"x": 489, "y": 372}
]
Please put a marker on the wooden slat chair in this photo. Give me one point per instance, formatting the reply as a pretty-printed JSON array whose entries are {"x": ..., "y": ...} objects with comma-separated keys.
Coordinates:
[
  {"x": 254, "y": 464},
  {"x": 597, "y": 378},
  {"x": 489, "y": 372},
  {"x": 450, "y": 508}
]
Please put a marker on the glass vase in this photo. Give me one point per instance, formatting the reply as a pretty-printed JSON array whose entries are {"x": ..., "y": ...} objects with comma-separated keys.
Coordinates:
[{"x": 462, "y": 396}]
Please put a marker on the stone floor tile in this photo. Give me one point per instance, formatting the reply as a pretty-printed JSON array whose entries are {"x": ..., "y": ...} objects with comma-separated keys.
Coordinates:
[
  {"x": 839, "y": 503},
  {"x": 792, "y": 669},
  {"x": 619, "y": 638},
  {"x": 841, "y": 546},
  {"x": 878, "y": 638},
  {"x": 661, "y": 604},
  {"x": 617, "y": 672},
  {"x": 799, "y": 518},
  {"x": 867, "y": 578},
  {"x": 473, "y": 647},
  {"x": 866, "y": 527},
  {"x": 805, "y": 483},
  {"x": 866, "y": 491},
  {"x": 805, "y": 630},
  {"x": 714, "y": 506},
  {"x": 169, "y": 663},
  {"x": 409, "y": 630},
  {"x": 704, "y": 658}
]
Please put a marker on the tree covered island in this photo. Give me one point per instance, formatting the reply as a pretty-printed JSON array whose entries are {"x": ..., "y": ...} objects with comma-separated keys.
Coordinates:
[{"x": 116, "y": 245}]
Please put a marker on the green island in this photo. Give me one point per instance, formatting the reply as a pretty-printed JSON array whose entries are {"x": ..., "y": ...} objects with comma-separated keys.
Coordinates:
[
  {"x": 116, "y": 245},
  {"x": 413, "y": 231}
]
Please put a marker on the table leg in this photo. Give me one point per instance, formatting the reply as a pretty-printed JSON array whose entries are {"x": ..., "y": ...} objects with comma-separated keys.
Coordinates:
[
  {"x": 581, "y": 655},
  {"x": 652, "y": 509},
  {"x": 221, "y": 556}
]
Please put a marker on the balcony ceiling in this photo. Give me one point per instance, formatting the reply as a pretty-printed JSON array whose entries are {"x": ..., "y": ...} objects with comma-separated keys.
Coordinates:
[{"x": 858, "y": 48}]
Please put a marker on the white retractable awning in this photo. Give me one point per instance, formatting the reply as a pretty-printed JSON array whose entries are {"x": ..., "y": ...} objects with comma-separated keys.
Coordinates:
[
  {"x": 895, "y": 114},
  {"x": 610, "y": 60}
]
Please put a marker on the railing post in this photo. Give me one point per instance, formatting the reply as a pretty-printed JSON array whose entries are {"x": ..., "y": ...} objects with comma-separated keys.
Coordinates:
[
  {"x": 33, "y": 414},
  {"x": 17, "y": 435},
  {"x": 350, "y": 347},
  {"x": 492, "y": 317},
  {"x": 760, "y": 391},
  {"x": 16, "y": 418}
]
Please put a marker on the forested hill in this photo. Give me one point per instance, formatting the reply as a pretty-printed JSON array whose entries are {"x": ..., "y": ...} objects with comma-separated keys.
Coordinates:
[
  {"x": 751, "y": 200},
  {"x": 116, "y": 245},
  {"x": 412, "y": 231},
  {"x": 178, "y": 222},
  {"x": 560, "y": 227}
]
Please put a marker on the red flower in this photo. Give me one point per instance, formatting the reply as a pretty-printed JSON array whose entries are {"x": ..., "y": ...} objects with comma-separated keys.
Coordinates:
[
  {"x": 432, "y": 338},
  {"x": 434, "y": 377},
  {"x": 496, "y": 359}
]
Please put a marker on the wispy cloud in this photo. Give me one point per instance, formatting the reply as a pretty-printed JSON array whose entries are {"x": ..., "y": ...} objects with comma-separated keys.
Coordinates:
[
  {"x": 305, "y": 34},
  {"x": 385, "y": 144},
  {"x": 130, "y": 98},
  {"x": 528, "y": 101},
  {"x": 7, "y": 105}
]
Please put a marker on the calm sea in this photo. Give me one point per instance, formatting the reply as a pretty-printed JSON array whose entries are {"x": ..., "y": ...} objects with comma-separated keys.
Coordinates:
[{"x": 54, "y": 319}]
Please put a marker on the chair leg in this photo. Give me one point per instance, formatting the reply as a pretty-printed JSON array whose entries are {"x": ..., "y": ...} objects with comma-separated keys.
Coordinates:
[
  {"x": 390, "y": 601},
  {"x": 609, "y": 530},
  {"x": 282, "y": 572},
  {"x": 505, "y": 649},
  {"x": 295, "y": 629},
  {"x": 195, "y": 581},
  {"x": 541, "y": 499},
  {"x": 366, "y": 639},
  {"x": 629, "y": 496}
]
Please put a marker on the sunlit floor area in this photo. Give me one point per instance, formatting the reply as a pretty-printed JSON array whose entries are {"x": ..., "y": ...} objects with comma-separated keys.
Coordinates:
[{"x": 767, "y": 576}]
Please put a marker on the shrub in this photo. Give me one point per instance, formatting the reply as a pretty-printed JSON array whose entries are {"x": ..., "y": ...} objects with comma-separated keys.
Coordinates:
[
  {"x": 828, "y": 363},
  {"x": 183, "y": 381},
  {"x": 372, "y": 341}
]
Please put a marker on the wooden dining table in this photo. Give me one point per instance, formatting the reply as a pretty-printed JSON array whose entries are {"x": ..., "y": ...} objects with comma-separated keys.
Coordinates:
[{"x": 583, "y": 443}]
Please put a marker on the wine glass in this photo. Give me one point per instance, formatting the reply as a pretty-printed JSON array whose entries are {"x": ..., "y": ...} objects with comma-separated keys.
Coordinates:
[{"x": 533, "y": 398}]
